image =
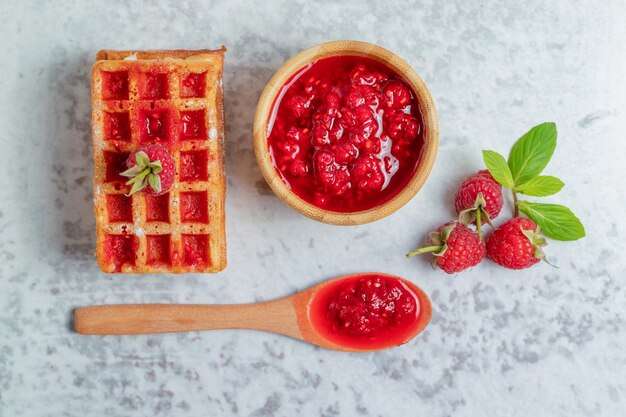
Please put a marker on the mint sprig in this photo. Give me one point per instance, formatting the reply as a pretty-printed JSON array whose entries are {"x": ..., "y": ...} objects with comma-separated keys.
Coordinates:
[
  {"x": 541, "y": 186},
  {"x": 532, "y": 152},
  {"x": 144, "y": 173},
  {"x": 498, "y": 167},
  {"x": 556, "y": 221},
  {"x": 527, "y": 159}
]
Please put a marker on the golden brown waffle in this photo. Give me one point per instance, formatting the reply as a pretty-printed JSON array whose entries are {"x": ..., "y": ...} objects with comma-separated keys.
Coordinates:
[{"x": 174, "y": 98}]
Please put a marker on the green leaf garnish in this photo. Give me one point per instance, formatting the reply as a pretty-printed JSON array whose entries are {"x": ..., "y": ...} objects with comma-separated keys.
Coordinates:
[
  {"x": 497, "y": 166},
  {"x": 132, "y": 172},
  {"x": 532, "y": 152},
  {"x": 142, "y": 159},
  {"x": 144, "y": 173},
  {"x": 155, "y": 182},
  {"x": 541, "y": 186},
  {"x": 556, "y": 221},
  {"x": 137, "y": 185},
  {"x": 156, "y": 166}
]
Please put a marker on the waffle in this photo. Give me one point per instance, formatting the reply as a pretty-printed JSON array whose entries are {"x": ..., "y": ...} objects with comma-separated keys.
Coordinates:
[{"x": 174, "y": 98}]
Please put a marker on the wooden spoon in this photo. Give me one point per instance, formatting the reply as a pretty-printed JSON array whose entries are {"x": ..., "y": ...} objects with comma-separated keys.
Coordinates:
[{"x": 290, "y": 316}]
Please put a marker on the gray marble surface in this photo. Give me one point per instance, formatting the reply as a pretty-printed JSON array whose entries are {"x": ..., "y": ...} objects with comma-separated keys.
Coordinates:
[{"x": 543, "y": 342}]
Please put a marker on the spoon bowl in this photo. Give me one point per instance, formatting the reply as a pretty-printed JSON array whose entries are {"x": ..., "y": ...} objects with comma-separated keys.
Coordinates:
[{"x": 296, "y": 316}]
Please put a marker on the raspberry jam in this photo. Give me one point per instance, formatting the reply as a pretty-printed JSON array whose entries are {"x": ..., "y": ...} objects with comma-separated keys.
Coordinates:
[
  {"x": 366, "y": 312},
  {"x": 346, "y": 133}
]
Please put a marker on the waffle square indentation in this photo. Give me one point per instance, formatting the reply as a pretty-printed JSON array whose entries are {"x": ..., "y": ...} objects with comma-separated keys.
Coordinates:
[
  {"x": 115, "y": 163},
  {"x": 158, "y": 250},
  {"x": 157, "y": 208},
  {"x": 193, "y": 166},
  {"x": 115, "y": 85},
  {"x": 119, "y": 208},
  {"x": 193, "y": 125},
  {"x": 193, "y": 85},
  {"x": 153, "y": 86},
  {"x": 117, "y": 126},
  {"x": 196, "y": 249},
  {"x": 120, "y": 249},
  {"x": 194, "y": 207},
  {"x": 154, "y": 125}
]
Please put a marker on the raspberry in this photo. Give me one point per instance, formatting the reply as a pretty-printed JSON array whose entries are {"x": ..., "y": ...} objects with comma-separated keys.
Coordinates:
[
  {"x": 320, "y": 136},
  {"x": 372, "y": 145},
  {"x": 401, "y": 126},
  {"x": 298, "y": 105},
  {"x": 335, "y": 133},
  {"x": 367, "y": 174},
  {"x": 345, "y": 152},
  {"x": 323, "y": 118},
  {"x": 372, "y": 96},
  {"x": 454, "y": 247},
  {"x": 516, "y": 244},
  {"x": 297, "y": 135},
  {"x": 397, "y": 95},
  {"x": 290, "y": 151},
  {"x": 358, "y": 137},
  {"x": 334, "y": 177},
  {"x": 361, "y": 134},
  {"x": 294, "y": 146},
  {"x": 347, "y": 118},
  {"x": 332, "y": 102},
  {"x": 151, "y": 168},
  {"x": 479, "y": 193},
  {"x": 365, "y": 115},
  {"x": 298, "y": 168},
  {"x": 354, "y": 99},
  {"x": 367, "y": 126}
]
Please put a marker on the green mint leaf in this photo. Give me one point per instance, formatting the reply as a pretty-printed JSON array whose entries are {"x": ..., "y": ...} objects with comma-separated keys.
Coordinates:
[
  {"x": 541, "y": 186},
  {"x": 556, "y": 221},
  {"x": 532, "y": 152},
  {"x": 497, "y": 166}
]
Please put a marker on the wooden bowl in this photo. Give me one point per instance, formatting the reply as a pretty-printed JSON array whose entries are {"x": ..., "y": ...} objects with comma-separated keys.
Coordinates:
[{"x": 343, "y": 48}]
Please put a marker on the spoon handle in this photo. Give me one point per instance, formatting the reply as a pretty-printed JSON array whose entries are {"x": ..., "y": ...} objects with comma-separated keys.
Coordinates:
[{"x": 276, "y": 316}]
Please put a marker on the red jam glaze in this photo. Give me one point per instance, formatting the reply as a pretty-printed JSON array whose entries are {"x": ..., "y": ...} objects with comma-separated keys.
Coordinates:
[
  {"x": 155, "y": 126},
  {"x": 366, "y": 312},
  {"x": 195, "y": 249},
  {"x": 121, "y": 249},
  {"x": 153, "y": 86},
  {"x": 117, "y": 126},
  {"x": 193, "y": 85},
  {"x": 194, "y": 207},
  {"x": 158, "y": 250},
  {"x": 115, "y": 85},
  {"x": 115, "y": 163},
  {"x": 346, "y": 133},
  {"x": 193, "y": 125},
  {"x": 193, "y": 166},
  {"x": 157, "y": 207},
  {"x": 119, "y": 208}
]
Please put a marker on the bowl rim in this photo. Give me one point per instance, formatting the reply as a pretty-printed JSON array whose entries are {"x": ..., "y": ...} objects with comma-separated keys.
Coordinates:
[{"x": 345, "y": 48}]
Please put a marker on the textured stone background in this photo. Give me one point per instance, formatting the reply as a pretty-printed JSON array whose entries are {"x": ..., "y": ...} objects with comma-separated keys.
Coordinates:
[{"x": 545, "y": 342}]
